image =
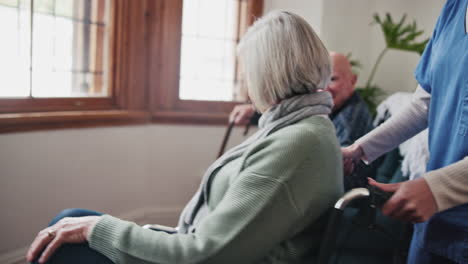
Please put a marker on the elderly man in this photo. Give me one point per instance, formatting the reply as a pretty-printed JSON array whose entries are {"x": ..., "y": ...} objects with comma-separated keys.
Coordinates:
[{"x": 350, "y": 114}]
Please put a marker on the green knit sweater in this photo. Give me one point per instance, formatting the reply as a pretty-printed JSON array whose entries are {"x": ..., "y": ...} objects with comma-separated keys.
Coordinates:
[{"x": 265, "y": 206}]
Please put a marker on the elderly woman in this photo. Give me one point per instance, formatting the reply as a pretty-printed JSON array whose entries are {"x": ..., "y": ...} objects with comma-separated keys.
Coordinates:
[{"x": 262, "y": 201}]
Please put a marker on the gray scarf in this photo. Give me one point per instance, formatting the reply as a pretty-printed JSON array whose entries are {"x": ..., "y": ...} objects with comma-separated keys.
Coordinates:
[{"x": 287, "y": 112}]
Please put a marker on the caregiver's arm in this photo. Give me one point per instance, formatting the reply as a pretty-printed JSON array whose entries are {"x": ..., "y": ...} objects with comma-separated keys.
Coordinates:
[
  {"x": 449, "y": 185},
  {"x": 400, "y": 127}
]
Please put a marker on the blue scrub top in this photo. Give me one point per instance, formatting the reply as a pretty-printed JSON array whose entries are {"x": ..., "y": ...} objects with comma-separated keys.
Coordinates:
[{"x": 443, "y": 72}]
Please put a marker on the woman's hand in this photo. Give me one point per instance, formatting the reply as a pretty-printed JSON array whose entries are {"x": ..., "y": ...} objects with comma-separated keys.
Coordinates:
[
  {"x": 351, "y": 156},
  {"x": 412, "y": 201},
  {"x": 67, "y": 230}
]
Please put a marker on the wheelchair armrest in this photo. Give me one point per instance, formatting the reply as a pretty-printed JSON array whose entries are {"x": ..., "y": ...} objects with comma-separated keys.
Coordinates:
[{"x": 167, "y": 229}]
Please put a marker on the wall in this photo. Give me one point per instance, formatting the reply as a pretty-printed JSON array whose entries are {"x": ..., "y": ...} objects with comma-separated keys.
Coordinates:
[
  {"x": 346, "y": 28},
  {"x": 311, "y": 10},
  {"x": 141, "y": 173},
  {"x": 396, "y": 70}
]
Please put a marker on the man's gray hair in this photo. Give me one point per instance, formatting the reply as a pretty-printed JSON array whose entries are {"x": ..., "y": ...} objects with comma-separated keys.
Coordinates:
[{"x": 281, "y": 56}]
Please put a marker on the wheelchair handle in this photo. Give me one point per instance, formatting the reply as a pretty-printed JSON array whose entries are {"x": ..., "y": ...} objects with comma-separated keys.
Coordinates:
[
  {"x": 376, "y": 198},
  {"x": 336, "y": 215},
  {"x": 350, "y": 196}
]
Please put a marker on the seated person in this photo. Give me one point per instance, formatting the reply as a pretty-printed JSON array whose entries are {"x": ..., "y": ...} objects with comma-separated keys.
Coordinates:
[
  {"x": 350, "y": 114},
  {"x": 261, "y": 202}
]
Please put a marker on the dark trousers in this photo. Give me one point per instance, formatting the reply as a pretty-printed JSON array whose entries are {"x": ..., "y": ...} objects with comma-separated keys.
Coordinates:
[{"x": 76, "y": 253}]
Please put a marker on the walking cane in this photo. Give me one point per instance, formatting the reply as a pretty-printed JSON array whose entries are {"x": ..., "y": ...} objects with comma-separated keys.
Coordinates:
[
  {"x": 227, "y": 134},
  {"x": 226, "y": 137}
]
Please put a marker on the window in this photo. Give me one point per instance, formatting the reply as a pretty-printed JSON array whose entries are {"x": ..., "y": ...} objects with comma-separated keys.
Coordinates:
[
  {"x": 61, "y": 69},
  {"x": 59, "y": 50},
  {"x": 72, "y": 63},
  {"x": 198, "y": 81},
  {"x": 207, "y": 68}
]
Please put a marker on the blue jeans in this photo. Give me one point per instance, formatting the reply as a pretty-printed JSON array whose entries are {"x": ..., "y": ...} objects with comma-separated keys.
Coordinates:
[{"x": 76, "y": 253}]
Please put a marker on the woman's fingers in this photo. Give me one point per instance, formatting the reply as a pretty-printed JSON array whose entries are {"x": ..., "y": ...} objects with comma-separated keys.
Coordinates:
[
  {"x": 67, "y": 230},
  {"x": 39, "y": 243},
  {"x": 52, "y": 247}
]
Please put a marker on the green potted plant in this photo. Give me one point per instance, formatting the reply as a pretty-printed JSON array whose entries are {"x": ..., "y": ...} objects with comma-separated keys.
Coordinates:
[{"x": 399, "y": 36}]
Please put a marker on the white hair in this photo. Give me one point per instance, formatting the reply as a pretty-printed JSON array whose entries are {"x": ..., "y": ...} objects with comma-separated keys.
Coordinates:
[{"x": 281, "y": 56}]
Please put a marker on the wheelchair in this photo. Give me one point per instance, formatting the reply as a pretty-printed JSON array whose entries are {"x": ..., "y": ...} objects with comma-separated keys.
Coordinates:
[{"x": 357, "y": 212}]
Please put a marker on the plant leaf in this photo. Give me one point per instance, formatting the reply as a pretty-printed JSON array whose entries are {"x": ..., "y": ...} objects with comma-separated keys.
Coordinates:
[{"x": 401, "y": 36}]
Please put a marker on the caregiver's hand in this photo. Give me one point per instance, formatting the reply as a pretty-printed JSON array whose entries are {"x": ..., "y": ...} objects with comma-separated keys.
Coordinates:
[
  {"x": 67, "y": 230},
  {"x": 412, "y": 201},
  {"x": 351, "y": 156}
]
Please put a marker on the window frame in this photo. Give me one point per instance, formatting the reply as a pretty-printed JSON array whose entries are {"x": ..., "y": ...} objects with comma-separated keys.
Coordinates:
[
  {"x": 165, "y": 102},
  {"x": 38, "y": 104},
  {"x": 121, "y": 107},
  {"x": 143, "y": 77}
]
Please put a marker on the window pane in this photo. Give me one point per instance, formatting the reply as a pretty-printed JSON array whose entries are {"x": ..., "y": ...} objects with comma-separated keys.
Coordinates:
[
  {"x": 208, "y": 50},
  {"x": 207, "y": 89},
  {"x": 10, "y": 3},
  {"x": 44, "y": 6},
  {"x": 14, "y": 49},
  {"x": 64, "y": 8},
  {"x": 70, "y": 50}
]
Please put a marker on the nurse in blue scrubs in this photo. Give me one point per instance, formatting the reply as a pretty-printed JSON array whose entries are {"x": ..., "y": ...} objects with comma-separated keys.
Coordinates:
[{"x": 442, "y": 74}]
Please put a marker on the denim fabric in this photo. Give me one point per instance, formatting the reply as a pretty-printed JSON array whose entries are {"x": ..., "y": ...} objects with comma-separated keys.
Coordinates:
[
  {"x": 442, "y": 72},
  {"x": 76, "y": 253},
  {"x": 445, "y": 234},
  {"x": 352, "y": 121},
  {"x": 419, "y": 255}
]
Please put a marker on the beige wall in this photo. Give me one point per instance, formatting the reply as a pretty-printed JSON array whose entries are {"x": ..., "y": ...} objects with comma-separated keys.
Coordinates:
[
  {"x": 124, "y": 171},
  {"x": 345, "y": 28},
  {"x": 396, "y": 71},
  {"x": 311, "y": 10}
]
